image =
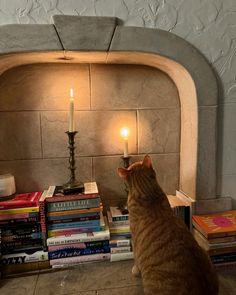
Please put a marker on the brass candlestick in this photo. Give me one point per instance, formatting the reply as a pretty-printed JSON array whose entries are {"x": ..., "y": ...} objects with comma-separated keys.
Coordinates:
[
  {"x": 73, "y": 185},
  {"x": 125, "y": 161}
]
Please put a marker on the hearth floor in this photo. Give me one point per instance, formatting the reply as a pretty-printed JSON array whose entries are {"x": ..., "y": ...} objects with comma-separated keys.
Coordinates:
[{"x": 104, "y": 278}]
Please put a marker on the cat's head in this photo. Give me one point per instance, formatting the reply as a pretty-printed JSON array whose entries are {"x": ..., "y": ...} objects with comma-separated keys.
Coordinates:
[{"x": 141, "y": 180}]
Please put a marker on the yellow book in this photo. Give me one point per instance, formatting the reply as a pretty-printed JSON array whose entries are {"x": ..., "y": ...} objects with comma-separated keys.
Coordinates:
[{"x": 20, "y": 210}]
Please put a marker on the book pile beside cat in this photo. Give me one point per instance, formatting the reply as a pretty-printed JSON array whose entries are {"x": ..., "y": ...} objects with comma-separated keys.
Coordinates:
[
  {"x": 21, "y": 240},
  {"x": 73, "y": 227},
  {"x": 216, "y": 233},
  {"x": 182, "y": 206},
  {"x": 120, "y": 241}
]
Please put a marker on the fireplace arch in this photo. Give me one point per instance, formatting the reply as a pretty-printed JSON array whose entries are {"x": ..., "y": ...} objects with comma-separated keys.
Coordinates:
[{"x": 75, "y": 39}]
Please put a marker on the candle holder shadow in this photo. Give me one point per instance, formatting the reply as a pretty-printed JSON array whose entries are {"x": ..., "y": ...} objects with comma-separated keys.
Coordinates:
[{"x": 73, "y": 185}]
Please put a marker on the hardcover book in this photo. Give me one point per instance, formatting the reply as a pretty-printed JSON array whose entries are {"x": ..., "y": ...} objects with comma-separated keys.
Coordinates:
[
  {"x": 21, "y": 201},
  {"x": 216, "y": 225}
]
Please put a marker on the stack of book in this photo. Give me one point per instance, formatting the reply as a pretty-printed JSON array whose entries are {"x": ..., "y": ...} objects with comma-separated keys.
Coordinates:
[
  {"x": 75, "y": 227},
  {"x": 182, "y": 207},
  {"x": 120, "y": 236},
  {"x": 21, "y": 241},
  {"x": 216, "y": 233}
]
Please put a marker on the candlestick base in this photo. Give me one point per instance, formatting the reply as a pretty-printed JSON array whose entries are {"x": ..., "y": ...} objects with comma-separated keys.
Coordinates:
[
  {"x": 126, "y": 161},
  {"x": 73, "y": 187}
]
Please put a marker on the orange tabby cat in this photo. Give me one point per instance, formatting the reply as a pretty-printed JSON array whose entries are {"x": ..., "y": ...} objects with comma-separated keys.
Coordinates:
[{"x": 166, "y": 254}]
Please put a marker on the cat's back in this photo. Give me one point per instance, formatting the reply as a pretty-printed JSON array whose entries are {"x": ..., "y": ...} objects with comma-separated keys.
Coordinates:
[{"x": 169, "y": 258}]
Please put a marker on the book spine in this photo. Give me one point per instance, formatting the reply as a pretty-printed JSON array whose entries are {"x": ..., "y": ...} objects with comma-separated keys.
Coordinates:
[
  {"x": 72, "y": 218},
  {"x": 19, "y": 222},
  {"x": 80, "y": 259},
  {"x": 72, "y": 231},
  {"x": 75, "y": 211},
  {"x": 47, "y": 193},
  {"x": 12, "y": 238},
  {"x": 120, "y": 250},
  {"x": 77, "y": 252},
  {"x": 70, "y": 205},
  {"x": 88, "y": 223},
  {"x": 96, "y": 244},
  {"x": 66, "y": 198},
  {"x": 230, "y": 257},
  {"x": 121, "y": 256},
  {"x": 120, "y": 243},
  {"x": 120, "y": 218},
  {"x": 80, "y": 238},
  {"x": 23, "y": 258},
  {"x": 15, "y": 217},
  {"x": 20, "y": 210}
]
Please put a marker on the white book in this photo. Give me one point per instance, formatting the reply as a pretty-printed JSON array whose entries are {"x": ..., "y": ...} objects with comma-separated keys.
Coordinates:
[
  {"x": 80, "y": 259},
  {"x": 122, "y": 256},
  {"x": 90, "y": 188},
  {"x": 19, "y": 258},
  {"x": 120, "y": 249},
  {"x": 120, "y": 243}
]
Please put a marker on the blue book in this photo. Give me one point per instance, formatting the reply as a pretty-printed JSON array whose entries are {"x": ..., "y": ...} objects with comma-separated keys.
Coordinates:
[
  {"x": 71, "y": 252},
  {"x": 73, "y": 216},
  {"x": 87, "y": 223}
]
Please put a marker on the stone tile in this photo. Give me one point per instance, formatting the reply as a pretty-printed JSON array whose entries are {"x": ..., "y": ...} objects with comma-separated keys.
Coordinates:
[
  {"x": 227, "y": 138},
  {"x": 39, "y": 174},
  {"x": 159, "y": 131},
  {"x": 175, "y": 48},
  {"x": 227, "y": 187},
  {"x": 112, "y": 186},
  {"x": 227, "y": 282},
  {"x": 85, "y": 32},
  {"x": 23, "y": 38},
  {"x": 44, "y": 87},
  {"x": 18, "y": 286},
  {"x": 20, "y": 135},
  {"x": 105, "y": 274},
  {"x": 207, "y": 142},
  {"x": 131, "y": 86},
  {"x": 133, "y": 290},
  {"x": 98, "y": 132}
]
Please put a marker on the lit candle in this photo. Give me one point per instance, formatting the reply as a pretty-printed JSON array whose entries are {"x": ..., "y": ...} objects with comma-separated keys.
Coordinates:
[
  {"x": 71, "y": 112},
  {"x": 125, "y": 134}
]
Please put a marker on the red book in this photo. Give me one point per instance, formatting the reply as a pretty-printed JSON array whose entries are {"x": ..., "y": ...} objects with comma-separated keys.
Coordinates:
[{"x": 21, "y": 201}]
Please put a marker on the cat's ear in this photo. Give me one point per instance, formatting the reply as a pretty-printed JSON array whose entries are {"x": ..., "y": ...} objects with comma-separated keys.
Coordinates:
[
  {"x": 147, "y": 162},
  {"x": 122, "y": 172}
]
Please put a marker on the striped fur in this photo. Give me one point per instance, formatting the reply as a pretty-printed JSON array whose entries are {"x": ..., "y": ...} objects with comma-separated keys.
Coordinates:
[{"x": 167, "y": 256}]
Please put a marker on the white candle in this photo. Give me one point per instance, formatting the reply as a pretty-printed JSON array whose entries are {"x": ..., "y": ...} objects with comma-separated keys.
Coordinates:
[
  {"x": 125, "y": 134},
  {"x": 71, "y": 112}
]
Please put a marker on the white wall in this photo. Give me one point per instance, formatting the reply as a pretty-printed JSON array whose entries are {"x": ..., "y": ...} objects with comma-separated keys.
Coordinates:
[{"x": 210, "y": 25}]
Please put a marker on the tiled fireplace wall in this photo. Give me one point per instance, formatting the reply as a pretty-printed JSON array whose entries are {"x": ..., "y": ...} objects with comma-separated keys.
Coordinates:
[{"x": 34, "y": 103}]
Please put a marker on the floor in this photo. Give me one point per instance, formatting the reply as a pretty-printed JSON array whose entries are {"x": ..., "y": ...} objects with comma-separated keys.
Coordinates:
[{"x": 104, "y": 278}]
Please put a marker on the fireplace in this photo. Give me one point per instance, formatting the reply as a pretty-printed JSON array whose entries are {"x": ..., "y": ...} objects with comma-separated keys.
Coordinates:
[{"x": 148, "y": 79}]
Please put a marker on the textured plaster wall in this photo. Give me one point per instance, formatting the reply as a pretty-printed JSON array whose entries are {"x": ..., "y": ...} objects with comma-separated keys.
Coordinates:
[{"x": 210, "y": 25}]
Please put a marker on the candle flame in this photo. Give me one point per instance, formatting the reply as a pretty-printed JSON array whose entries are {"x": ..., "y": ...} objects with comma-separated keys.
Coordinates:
[
  {"x": 71, "y": 92},
  {"x": 124, "y": 132}
]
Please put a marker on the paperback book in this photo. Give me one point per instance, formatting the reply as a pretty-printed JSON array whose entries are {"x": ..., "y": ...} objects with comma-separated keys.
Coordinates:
[
  {"x": 21, "y": 201},
  {"x": 216, "y": 225}
]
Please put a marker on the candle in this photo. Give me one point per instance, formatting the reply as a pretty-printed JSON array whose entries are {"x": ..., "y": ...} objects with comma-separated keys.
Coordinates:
[
  {"x": 71, "y": 112},
  {"x": 125, "y": 134}
]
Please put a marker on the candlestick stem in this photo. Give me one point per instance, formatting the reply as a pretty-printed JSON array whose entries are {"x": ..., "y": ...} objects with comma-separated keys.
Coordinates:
[{"x": 72, "y": 185}]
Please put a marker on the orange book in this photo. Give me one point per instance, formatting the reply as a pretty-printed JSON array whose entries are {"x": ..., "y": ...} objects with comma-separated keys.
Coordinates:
[{"x": 215, "y": 225}]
